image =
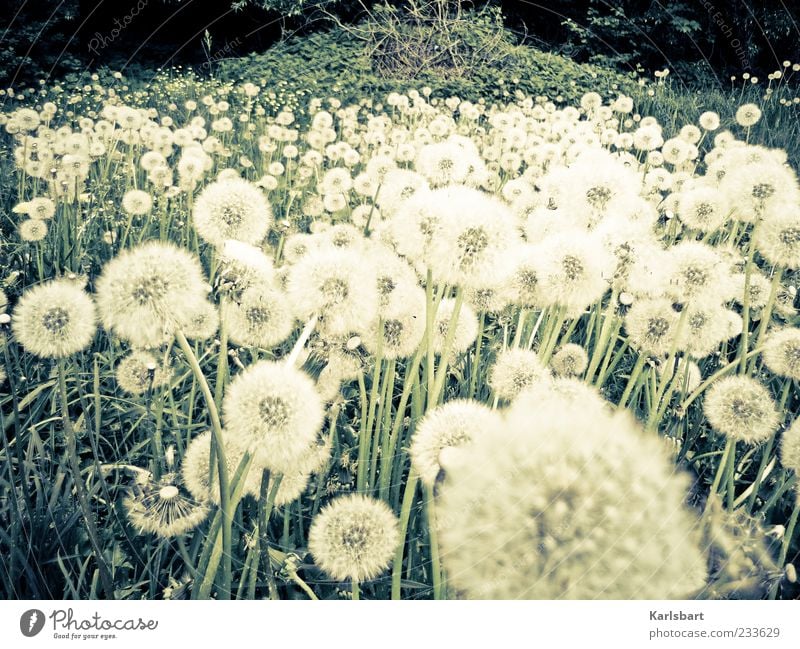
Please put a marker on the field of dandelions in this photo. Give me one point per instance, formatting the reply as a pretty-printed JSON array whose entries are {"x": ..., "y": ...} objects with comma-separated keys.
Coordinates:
[{"x": 421, "y": 348}]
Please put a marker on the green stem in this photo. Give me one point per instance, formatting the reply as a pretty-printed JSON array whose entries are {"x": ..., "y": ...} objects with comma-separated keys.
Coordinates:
[
  {"x": 83, "y": 501},
  {"x": 743, "y": 343},
  {"x": 633, "y": 380},
  {"x": 405, "y": 515},
  {"x": 222, "y": 467},
  {"x": 439, "y": 591},
  {"x": 441, "y": 375}
]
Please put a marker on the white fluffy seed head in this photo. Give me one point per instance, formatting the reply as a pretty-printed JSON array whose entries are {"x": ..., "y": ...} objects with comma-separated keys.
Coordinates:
[
  {"x": 231, "y": 209},
  {"x": 741, "y": 408},
  {"x": 567, "y": 502},
  {"x": 515, "y": 370},
  {"x": 354, "y": 537},
  {"x": 274, "y": 411},
  {"x": 146, "y": 293},
  {"x": 451, "y": 425},
  {"x": 55, "y": 319}
]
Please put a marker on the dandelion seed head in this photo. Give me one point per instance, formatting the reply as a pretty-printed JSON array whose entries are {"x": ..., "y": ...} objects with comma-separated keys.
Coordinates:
[
  {"x": 354, "y": 537},
  {"x": 160, "y": 508},
  {"x": 145, "y": 293},
  {"x": 782, "y": 353},
  {"x": 140, "y": 371},
  {"x": 587, "y": 506},
  {"x": 450, "y": 425},
  {"x": 273, "y": 410},
  {"x": 232, "y": 209},
  {"x": 570, "y": 360},
  {"x": 54, "y": 320},
  {"x": 261, "y": 317},
  {"x": 32, "y": 230},
  {"x": 651, "y": 326},
  {"x": 741, "y": 408},
  {"x": 513, "y": 371},
  {"x": 137, "y": 202}
]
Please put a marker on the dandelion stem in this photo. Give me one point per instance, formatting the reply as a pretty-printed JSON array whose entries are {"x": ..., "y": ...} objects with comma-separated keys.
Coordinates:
[
  {"x": 476, "y": 365},
  {"x": 633, "y": 380},
  {"x": 291, "y": 359},
  {"x": 748, "y": 270},
  {"x": 222, "y": 467},
  {"x": 83, "y": 500},
  {"x": 266, "y": 502},
  {"x": 405, "y": 515},
  {"x": 441, "y": 375}
]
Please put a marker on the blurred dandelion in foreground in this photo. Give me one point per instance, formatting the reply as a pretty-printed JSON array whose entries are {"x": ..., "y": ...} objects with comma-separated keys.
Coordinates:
[
  {"x": 567, "y": 502},
  {"x": 790, "y": 447},
  {"x": 741, "y": 408},
  {"x": 160, "y": 508},
  {"x": 55, "y": 319},
  {"x": 354, "y": 538}
]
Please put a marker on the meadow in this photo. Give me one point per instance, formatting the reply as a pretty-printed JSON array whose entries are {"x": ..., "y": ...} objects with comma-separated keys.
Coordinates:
[{"x": 263, "y": 341}]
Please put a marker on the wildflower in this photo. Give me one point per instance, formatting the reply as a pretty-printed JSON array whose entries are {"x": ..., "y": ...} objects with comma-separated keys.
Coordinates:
[
  {"x": 565, "y": 502},
  {"x": 709, "y": 120},
  {"x": 707, "y": 325},
  {"x": 140, "y": 371},
  {"x": 694, "y": 272},
  {"x": 232, "y": 209},
  {"x": 354, "y": 537},
  {"x": 790, "y": 447},
  {"x": 741, "y": 408},
  {"x": 55, "y": 319},
  {"x": 748, "y": 115},
  {"x": 333, "y": 284},
  {"x": 574, "y": 270},
  {"x": 201, "y": 477},
  {"x": 651, "y": 326},
  {"x": 570, "y": 360},
  {"x": 145, "y": 293},
  {"x": 782, "y": 353},
  {"x": 466, "y": 327},
  {"x": 703, "y": 208},
  {"x": 515, "y": 370},
  {"x": 450, "y": 425},
  {"x": 273, "y": 410},
  {"x": 259, "y": 318},
  {"x": 443, "y": 163},
  {"x": 778, "y": 238},
  {"x": 161, "y": 508},
  {"x": 32, "y": 230},
  {"x": 200, "y": 322},
  {"x": 474, "y": 231},
  {"x": 137, "y": 202},
  {"x": 243, "y": 265}
]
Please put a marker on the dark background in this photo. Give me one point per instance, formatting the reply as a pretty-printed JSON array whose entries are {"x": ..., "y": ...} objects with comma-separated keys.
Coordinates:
[{"x": 695, "y": 38}]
